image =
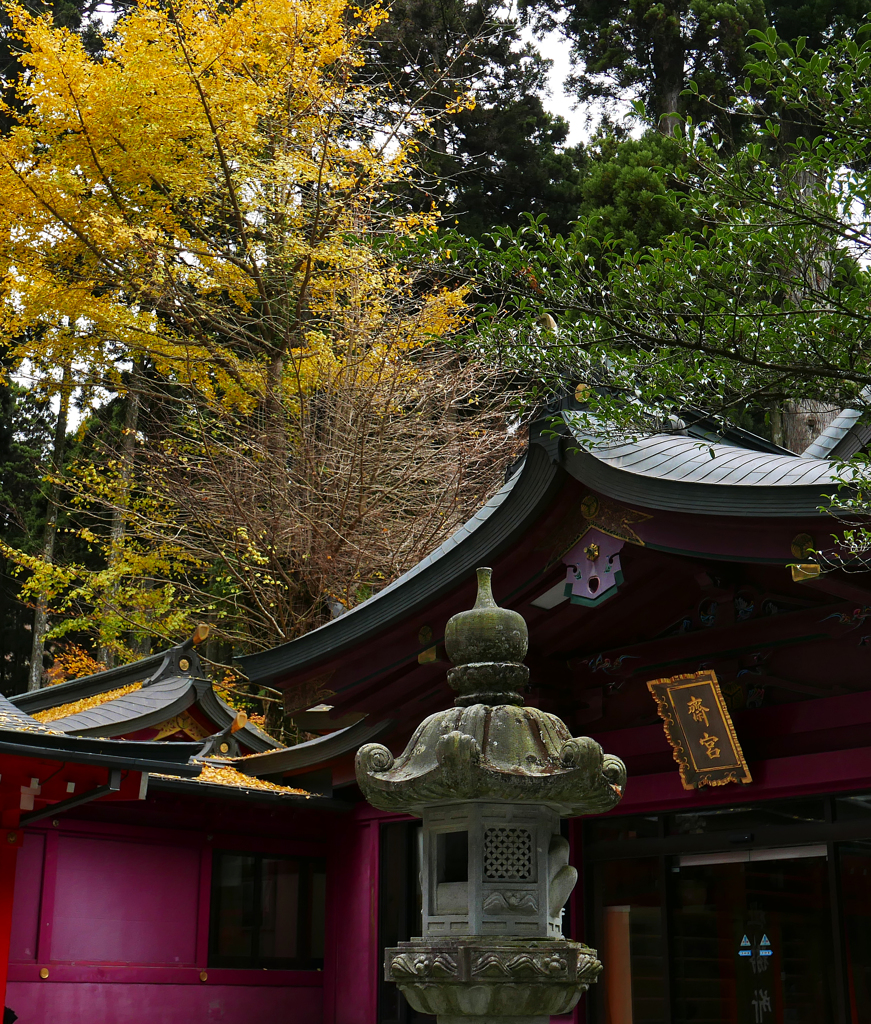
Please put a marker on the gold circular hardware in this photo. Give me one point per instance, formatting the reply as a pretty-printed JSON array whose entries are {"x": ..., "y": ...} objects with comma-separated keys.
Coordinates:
[
  {"x": 203, "y": 976},
  {"x": 43, "y": 973},
  {"x": 590, "y": 506},
  {"x": 11, "y": 838},
  {"x": 184, "y": 664},
  {"x": 224, "y": 748},
  {"x": 802, "y": 545}
]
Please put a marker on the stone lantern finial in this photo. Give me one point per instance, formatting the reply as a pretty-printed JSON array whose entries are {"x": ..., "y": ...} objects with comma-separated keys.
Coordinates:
[
  {"x": 487, "y": 645},
  {"x": 491, "y": 779}
]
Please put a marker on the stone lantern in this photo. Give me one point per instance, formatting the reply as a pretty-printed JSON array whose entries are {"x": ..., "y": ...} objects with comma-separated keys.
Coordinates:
[{"x": 491, "y": 779}]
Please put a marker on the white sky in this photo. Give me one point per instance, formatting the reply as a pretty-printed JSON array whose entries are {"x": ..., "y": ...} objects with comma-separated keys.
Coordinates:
[{"x": 556, "y": 49}]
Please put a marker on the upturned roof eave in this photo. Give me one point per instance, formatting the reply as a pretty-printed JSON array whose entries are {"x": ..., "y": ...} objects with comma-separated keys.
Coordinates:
[{"x": 681, "y": 483}]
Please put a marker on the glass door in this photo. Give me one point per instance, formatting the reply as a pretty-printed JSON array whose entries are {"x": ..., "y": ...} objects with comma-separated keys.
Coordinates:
[
  {"x": 751, "y": 938},
  {"x": 855, "y": 879}
]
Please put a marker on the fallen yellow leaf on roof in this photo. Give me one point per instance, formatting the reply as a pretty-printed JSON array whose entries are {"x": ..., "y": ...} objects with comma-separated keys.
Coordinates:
[
  {"x": 75, "y": 706},
  {"x": 225, "y": 775}
]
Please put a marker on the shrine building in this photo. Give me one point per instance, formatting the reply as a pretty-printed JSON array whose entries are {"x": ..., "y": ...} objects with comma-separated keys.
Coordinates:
[{"x": 729, "y": 886}]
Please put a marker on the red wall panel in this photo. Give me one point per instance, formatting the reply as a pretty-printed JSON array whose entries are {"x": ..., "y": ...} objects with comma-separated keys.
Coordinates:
[
  {"x": 124, "y": 902},
  {"x": 28, "y": 889}
]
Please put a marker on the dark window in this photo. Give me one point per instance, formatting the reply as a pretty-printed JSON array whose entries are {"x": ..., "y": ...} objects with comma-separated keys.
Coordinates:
[
  {"x": 399, "y": 914},
  {"x": 453, "y": 857},
  {"x": 267, "y": 911}
]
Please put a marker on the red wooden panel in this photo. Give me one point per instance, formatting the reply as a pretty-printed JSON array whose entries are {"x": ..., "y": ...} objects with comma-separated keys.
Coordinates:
[
  {"x": 28, "y": 889},
  {"x": 118, "y": 902},
  {"x": 59, "y": 1003}
]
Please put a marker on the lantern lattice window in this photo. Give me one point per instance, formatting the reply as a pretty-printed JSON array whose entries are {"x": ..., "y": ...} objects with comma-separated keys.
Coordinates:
[{"x": 507, "y": 855}]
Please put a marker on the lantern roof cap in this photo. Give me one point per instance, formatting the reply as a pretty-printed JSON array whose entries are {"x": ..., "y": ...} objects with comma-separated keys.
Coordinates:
[{"x": 490, "y": 747}]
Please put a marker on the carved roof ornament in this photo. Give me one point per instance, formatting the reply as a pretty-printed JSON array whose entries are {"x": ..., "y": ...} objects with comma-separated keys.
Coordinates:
[{"x": 490, "y": 746}]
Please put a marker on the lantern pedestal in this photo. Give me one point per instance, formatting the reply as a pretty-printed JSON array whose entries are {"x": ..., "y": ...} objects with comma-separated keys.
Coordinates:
[{"x": 485, "y": 979}]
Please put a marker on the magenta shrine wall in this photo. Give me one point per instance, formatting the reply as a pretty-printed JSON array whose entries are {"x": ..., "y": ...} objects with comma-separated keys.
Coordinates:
[{"x": 119, "y": 917}]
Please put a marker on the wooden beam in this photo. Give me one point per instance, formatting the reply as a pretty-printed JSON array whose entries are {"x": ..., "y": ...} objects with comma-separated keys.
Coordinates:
[
  {"x": 759, "y": 633},
  {"x": 839, "y": 586}
]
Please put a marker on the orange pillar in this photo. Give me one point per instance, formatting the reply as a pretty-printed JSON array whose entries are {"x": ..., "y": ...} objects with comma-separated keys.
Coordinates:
[
  {"x": 617, "y": 973},
  {"x": 10, "y": 841}
]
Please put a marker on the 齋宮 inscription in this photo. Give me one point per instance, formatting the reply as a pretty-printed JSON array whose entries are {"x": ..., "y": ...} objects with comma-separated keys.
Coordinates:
[{"x": 700, "y": 730}]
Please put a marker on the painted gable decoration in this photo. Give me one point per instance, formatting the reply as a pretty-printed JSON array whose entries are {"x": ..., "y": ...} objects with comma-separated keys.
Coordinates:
[{"x": 593, "y": 571}]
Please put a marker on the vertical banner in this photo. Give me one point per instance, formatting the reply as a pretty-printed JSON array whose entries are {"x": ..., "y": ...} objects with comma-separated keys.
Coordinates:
[{"x": 699, "y": 729}]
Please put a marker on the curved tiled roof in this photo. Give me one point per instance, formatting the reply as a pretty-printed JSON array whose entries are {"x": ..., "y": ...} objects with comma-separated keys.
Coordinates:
[
  {"x": 689, "y": 460},
  {"x": 703, "y": 476},
  {"x": 166, "y": 689},
  {"x": 707, "y": 477},
  {"x": 842, "y": 439},
  {"x": 12, "y": 717},
  {"x": 22, "y": 735},
  {"x": 148, "y": 706}
]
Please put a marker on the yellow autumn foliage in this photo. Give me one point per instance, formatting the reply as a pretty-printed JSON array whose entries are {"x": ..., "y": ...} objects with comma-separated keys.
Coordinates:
[
  {"x": 193, "y": 220},
  {"x": 204, "y": 195}
]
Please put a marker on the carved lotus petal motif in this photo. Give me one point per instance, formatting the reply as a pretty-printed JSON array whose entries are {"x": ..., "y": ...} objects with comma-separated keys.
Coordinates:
[
  {"x": 410, "y": 966},
  {"x": 491, "y": 966},
  {"x": 524, "y": 964},
  {"x": 509, "y": 901},
  {"x": 457, "y": 748},
  {"x": 443, "y": 966}
]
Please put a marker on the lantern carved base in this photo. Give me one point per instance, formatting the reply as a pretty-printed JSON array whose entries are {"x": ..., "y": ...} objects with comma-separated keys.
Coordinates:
[{"x": 520, "y": 981}]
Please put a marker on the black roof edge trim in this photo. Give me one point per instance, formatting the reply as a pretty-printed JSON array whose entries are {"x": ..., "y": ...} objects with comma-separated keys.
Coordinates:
[
  {"x": 223, "y": 715},
  {"x": 54, "y": 751},
  {"x": 314, "y": 752},
  {"x": 219, "y": 791}
]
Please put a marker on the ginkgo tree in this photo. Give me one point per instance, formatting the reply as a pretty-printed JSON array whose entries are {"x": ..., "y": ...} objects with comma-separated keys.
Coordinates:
[{"x": 187, "y": 222}]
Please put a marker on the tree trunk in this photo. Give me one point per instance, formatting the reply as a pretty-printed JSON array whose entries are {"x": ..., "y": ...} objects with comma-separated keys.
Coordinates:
[
  {"x": 116, "y": 535},
  {"x": 668, "y": 59},
  {"x": 40, "y": 614},
  {"x": 776, "y": 415},
  {"x": 804, "y": 421}
]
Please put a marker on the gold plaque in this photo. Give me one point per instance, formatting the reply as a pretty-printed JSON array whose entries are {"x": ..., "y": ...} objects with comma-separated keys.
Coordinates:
[{"x": 699, "y": 729}]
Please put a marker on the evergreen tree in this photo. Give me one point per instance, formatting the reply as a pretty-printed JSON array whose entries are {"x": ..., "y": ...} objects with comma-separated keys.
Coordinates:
[
  {"x": 627, "y": 193},
  {"x": 651, "y": 49},
  {"x": 25, "y": 441},
  {"x": 501, "y": 154}
]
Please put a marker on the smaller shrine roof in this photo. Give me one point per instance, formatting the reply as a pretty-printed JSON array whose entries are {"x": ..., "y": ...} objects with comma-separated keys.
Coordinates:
[
  {"x": 22, "y": 735},
  {"x": 842, "y": 439},
  {"x": 125, "y": 700}
]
